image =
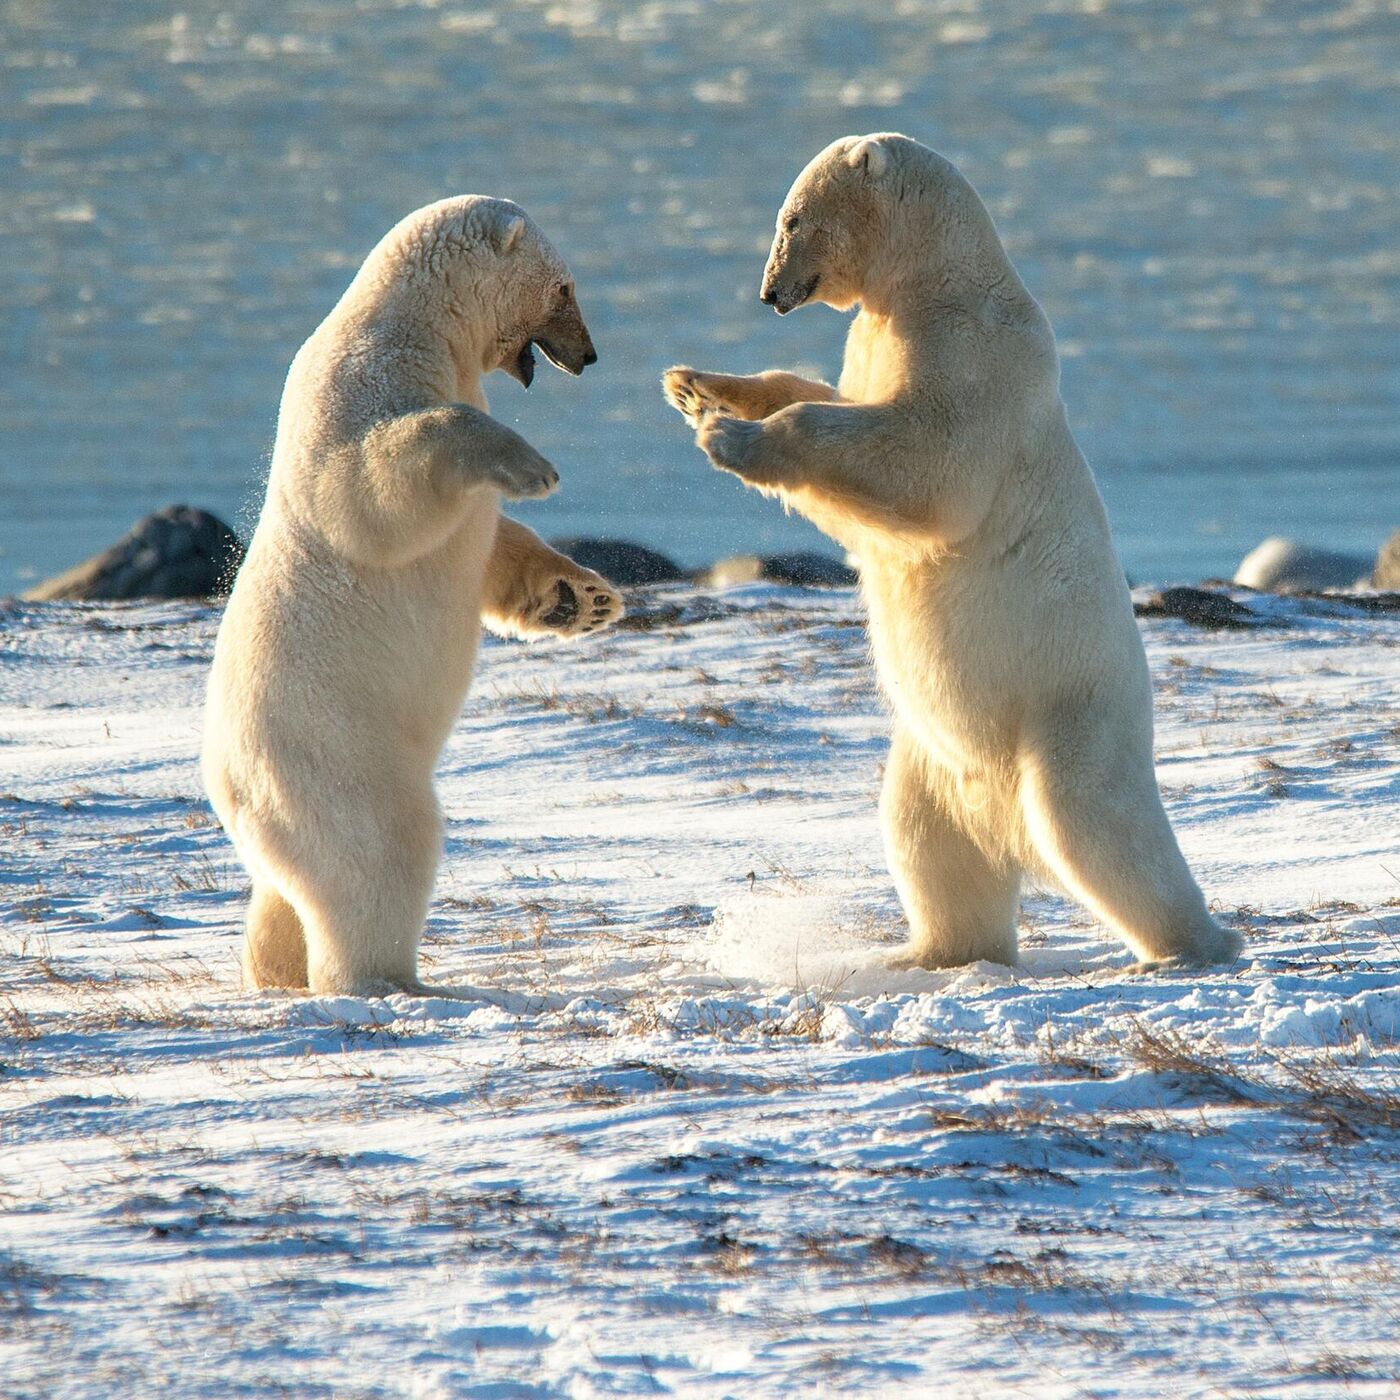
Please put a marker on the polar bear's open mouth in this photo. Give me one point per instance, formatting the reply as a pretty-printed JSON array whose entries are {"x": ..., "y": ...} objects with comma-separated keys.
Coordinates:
[
  {"x": 555, "y": 356},
  {"x": 522, "y": 367},
  {"x": 525, "y": 363}
]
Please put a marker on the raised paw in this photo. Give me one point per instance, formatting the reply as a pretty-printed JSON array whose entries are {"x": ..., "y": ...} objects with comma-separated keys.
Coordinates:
[
  {"x": 736, "y": 445},
  {"x": 694, "y": 392},
  {"x": 574, "y": 606},
  {"x": 524, "y": 476}
]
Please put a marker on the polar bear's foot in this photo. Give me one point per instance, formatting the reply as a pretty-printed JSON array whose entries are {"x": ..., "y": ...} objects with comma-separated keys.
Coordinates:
[
  {"x": 274, "y": 943},
  {"x": 694, "y": 392},
  {"x": 907, "y": 960},
  {"x": 534, "y": 591},
  {"x": 1218, "y": 946},
  {"x": 914, "y": 960},
  {"x": 572, "y": 606}
]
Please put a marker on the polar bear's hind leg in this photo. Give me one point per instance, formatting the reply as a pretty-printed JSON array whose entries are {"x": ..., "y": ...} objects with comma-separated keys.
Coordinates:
[
  {"x": 274, "y": 944},
  {"x": 1101, "y": 829},
  {"x": 362, "y": 893},
  {"x": 960, "y": 902}
]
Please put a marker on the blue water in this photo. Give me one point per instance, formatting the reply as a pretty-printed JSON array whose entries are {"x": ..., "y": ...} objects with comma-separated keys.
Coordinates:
[{"x": 1202, "y": 196}]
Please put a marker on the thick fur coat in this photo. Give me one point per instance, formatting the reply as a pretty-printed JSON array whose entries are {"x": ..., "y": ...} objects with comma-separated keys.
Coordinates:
[
  {"x": 351, "y": 634},
  {"x": 1000, "y": 619}
]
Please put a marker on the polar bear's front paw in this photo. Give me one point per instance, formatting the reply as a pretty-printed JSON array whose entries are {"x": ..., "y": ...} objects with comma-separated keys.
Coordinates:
[
  {"x": 524, "y": 476},
  {"x": 736, "y": 445},
  {"x": 573, "y": 606},
  {"x": 695, "y": 393}
]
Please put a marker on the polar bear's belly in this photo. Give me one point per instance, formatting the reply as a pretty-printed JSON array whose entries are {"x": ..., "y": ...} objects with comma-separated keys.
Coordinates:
[
  {"x": 951, "y": 671},
  {"x": 962, "y": 723},
  {"x": 324, "y": 659}
]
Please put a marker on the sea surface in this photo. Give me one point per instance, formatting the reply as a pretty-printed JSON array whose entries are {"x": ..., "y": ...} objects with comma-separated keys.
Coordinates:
[{"x": 1203, "y": 196}]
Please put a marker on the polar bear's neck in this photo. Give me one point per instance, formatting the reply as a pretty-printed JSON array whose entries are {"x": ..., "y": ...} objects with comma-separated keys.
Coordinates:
[
  {"x": 936, "y": 242},
  {"x": 402, "y": 302}
]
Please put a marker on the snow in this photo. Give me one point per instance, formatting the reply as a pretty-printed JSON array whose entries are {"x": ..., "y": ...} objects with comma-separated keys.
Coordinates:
[{"x": 691, "y": 1136}]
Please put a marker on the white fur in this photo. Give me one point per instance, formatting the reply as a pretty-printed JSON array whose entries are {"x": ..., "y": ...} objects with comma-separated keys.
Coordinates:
[
  {"x": 351, "y": 634},
  {"x": 870, "y": 155},
  {"x": 1000, "y": 620}
]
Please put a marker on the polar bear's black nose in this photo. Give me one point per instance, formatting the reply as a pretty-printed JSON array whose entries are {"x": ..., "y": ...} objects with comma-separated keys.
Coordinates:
[
  {"x": 590, "y": 356},
  {"x": 768, "y": 295}
]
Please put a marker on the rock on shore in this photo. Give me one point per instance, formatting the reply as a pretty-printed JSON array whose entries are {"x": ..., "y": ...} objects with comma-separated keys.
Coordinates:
[{"x": 179, "y": 552}]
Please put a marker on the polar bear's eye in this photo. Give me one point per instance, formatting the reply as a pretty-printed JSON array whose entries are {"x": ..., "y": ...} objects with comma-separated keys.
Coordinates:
[
  {"x": 790, "y": 224},
  {"x": 565, "y": 292}
]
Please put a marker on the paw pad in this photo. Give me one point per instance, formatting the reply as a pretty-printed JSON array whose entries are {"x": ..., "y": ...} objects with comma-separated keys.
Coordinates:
[{"x": 565, "y": 610}]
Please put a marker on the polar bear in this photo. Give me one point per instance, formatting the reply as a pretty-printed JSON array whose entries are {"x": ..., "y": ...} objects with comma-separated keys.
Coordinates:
[
  {"x": 351, "y": 634},
  {"x": 1000, "y": 620}
]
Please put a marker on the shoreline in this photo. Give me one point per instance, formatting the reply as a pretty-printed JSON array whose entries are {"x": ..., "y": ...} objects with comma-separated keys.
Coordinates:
[{"x": 182, "y": 551}]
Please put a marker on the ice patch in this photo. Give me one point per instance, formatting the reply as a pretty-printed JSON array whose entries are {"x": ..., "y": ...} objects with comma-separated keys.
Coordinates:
[
  {"x": 478, "y": 1016},
  {"x": 1370, "y": 1016},
  {"x": 339, "y": 1011},
  {"x": 904, "y": 1020}
]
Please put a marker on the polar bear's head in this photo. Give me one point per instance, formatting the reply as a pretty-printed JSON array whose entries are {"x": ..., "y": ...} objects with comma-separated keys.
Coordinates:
[
  {"x": 532, "y": 294},
  {"x": 503, "y": 287},
  {"x": 862, "y": 210}
]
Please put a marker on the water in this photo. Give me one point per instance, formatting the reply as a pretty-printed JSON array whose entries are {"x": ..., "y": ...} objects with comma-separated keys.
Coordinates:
[{"x": 1202, "y": 196}]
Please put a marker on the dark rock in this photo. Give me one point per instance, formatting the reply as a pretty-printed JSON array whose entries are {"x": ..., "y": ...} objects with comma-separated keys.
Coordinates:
[
  {"x": 1198, "y": 606},
  {"x": 809, "y": 570},
  {"x": 620, "y": 561},
  {"x": 802, "y": 568},
  {"x": 1330, "y": 604},
  {"x": 179, "y": 552},
  {"x": 1387, "y": 575}
]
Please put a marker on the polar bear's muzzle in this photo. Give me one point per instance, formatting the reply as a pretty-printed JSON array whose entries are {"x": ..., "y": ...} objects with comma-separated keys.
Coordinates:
[
  {"x": 564, "y": 340},
  {"x": 785, "y": 297},
  {"x": 572, "y": 359},
  {"x": 786, "y": 282}
]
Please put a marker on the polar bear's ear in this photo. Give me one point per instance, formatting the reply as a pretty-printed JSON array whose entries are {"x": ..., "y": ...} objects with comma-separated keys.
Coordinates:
[
  {"x": 508, "y": 235},
  {"x": 868, "y": 156}
]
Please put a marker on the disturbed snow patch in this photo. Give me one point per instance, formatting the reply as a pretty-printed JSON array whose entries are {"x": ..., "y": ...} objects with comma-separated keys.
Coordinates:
[{"x": 810, "y": 942}]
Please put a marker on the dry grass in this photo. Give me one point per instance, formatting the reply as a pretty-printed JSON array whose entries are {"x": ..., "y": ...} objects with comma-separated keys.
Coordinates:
[
  {"x": 593, "y": 708},
  {"x": 1318, "y": 1090},
  {"x": 18, "y": 1024},
  {"x": 901, "y": 1257},
  {"x": 728, "y": 1256},
  {"x": 705, "y": 716}
]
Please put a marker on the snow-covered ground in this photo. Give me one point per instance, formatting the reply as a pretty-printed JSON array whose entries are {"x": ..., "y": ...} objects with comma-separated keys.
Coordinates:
[{"x": 698, "y": 1141}]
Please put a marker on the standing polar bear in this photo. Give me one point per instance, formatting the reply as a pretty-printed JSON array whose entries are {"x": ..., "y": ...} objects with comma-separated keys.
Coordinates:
[
  {"x": 349, "y": 640},
  {"x": 1000, "y": 620}
]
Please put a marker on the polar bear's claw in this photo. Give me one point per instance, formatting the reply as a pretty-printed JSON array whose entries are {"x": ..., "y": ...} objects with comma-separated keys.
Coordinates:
[
  {"x": 693, "y": 392},
  {"x": 603, "y": 608}
]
